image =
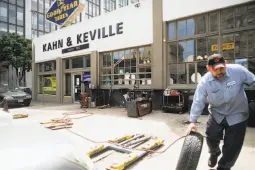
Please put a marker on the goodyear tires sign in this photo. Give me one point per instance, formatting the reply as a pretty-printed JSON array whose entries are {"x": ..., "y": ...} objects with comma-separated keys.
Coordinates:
[{"x": 63, "y": 12}]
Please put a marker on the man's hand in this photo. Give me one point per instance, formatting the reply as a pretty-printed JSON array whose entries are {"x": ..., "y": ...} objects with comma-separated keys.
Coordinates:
[{"x": 191, "y": 127}]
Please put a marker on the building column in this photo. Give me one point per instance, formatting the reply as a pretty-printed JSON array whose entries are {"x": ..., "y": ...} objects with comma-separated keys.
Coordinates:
[
  {"x": 94, "y": 70},
  {"x": 157, "y": 46},
  {"x": 59, "y": 80},
  {"x": 34, "y": 75},
  {"x": 165, "y": 56}
]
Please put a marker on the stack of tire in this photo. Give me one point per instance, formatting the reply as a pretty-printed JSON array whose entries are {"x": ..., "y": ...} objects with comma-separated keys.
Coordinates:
[{"x": 251, "y": 120}]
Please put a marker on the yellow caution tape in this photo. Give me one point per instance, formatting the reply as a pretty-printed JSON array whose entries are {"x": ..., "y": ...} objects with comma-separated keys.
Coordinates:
[
  {"x": 96, "y": 149},
  {"x": 121, "y": 166},
  {"x": 121, "y": 139}
]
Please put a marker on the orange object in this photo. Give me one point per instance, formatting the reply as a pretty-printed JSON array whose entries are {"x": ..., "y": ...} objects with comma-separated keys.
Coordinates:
[
  {"x": 84, "y": 100},
  {"x": 6, "y": 108}
]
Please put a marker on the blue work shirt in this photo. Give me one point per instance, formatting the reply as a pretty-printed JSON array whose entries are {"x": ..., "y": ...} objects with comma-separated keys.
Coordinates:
[{"x": 226, "y": 98}]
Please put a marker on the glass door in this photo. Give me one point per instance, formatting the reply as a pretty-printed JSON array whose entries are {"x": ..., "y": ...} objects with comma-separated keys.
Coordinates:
[{"x": 76, "y": 87}]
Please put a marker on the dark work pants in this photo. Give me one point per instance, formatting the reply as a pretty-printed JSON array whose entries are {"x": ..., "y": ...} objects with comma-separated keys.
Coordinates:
[{"x": 233, "y": 140}]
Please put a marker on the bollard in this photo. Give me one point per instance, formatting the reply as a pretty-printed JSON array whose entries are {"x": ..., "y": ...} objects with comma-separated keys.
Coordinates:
[{"x": 6, "y": 109}]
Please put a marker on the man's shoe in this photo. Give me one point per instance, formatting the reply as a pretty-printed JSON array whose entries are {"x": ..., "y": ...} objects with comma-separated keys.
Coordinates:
[{"x": 213, "y": 159}]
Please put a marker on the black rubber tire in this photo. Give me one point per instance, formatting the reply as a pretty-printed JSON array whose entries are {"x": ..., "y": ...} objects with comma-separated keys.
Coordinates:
[
  {"x": 191, "y": 152},
  {"x": 251, "y": 120},
  {"x": 27, "y": 103}
]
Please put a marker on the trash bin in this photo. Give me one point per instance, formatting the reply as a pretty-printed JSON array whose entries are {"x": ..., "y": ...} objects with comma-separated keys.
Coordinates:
[{"x": 138, "y": 107}]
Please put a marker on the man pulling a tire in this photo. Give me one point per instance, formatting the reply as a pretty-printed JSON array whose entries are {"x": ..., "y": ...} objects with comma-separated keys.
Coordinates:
[{"x": 223, "y": 88}]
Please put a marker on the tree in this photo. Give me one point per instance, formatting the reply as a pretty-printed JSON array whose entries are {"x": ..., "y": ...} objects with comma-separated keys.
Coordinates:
[
  {"x": 17, "y": 51},
  {"x": 3, "y": 66}
]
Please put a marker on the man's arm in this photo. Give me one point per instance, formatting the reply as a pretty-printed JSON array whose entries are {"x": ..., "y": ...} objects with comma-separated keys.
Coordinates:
[
  {"x": 249, "y": 78},
  {"x": 199, "y": 102}
]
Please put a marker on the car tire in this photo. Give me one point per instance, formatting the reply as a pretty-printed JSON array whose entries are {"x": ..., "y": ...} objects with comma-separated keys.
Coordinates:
[
  {"x": 27, "y": 103},
  {"x": 190, "y": 152}
]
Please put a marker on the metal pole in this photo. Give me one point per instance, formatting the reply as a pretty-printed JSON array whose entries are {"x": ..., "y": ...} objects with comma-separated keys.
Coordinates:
[{"x": 43, "y": 88}]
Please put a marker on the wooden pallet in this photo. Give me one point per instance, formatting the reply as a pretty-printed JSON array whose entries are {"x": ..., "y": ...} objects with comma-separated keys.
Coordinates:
[{"x": 19, "y": 116}]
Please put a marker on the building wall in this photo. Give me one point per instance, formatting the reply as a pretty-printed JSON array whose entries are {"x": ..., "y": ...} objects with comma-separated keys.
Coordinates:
[
  {"x": 182, "y": 8},
  {"x": 191, "y": 35},
  {"x": 137, "y": 30}
]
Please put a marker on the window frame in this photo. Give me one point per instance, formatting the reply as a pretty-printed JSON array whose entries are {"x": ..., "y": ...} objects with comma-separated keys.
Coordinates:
[
  {"x": 115, "y": 78},
  {"x": 219, "y": 33}
]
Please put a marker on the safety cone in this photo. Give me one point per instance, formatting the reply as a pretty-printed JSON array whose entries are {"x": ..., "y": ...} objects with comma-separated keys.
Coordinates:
[{"x": 6, "y": 108}]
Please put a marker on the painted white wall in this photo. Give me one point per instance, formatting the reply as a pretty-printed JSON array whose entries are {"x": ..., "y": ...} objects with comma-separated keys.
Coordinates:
[
  {"x": 29, "y": 79},
  {"x": 173, "y": 9},
  {"x": 137, "y": 31}
]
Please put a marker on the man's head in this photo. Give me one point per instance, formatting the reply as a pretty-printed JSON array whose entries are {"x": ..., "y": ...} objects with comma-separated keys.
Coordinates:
[{"x": 217, "y": 66}]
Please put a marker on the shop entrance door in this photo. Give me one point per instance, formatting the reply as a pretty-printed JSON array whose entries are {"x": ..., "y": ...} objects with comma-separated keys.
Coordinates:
[{"x": 76, "y": 87}]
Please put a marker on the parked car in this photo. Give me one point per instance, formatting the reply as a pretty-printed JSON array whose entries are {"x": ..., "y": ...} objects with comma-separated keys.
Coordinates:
[
  {"x": 26, "y": 89},
  {"x": 14, "y": 96}
]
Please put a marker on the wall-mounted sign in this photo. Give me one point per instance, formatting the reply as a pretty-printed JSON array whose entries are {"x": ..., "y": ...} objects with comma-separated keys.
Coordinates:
[
  {"x": 225, "y": 46},
  {"x": 63, "y": 12},
  {"x": 49, "y": 84},
  {"x": 83, "y": 39},
  {"x": 76, "y": 48},
  {"x": 86, "y": 76}
]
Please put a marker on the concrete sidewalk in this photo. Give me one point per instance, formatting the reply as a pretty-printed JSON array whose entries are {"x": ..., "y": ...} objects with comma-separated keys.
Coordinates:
[{"x": 106, "y": 124}]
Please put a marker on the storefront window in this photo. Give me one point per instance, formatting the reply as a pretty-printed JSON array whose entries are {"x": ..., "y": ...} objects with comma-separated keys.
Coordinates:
[
  {"x": 227, "y": 18},
  {"x": 77, "y": 62},
  {"x": 228, "y": 46},
  {"x": 40, "y": 66},
  {"x": 172, "y": 53},
  {"x": 87, "y": 61},
  {"x": 214, "y": 22},
  {"x": 106, "y": 69},
  {"x": 125, "y": 68},
  {"x": 47, "y": 84},
  {"x": 251, "y": 14},
  {"x": 171, "y": 31},
  {"x": 191, "y": 68},
  {"x": 251, "y": 43},
  {"x": 178, "y": 74},
  {"x": 212, "y": 46},
  {"x": 67, "y": 63},
  {"x": 186, "y": 51},
  {"x": 201, "y": 24},
  {"x": 144, "y": 55},
  {"x": 181, "y": 26},
  {"x": 201, "y": 68},
  {"x": 241, "y": 45},
  {"x": 49, "y": 66},
  {"x": 107, "y": 60},
  {"x": 68, "y": 84},
  {"x": 201, "y": 49},
  {"x": 241, "y": 16}
]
